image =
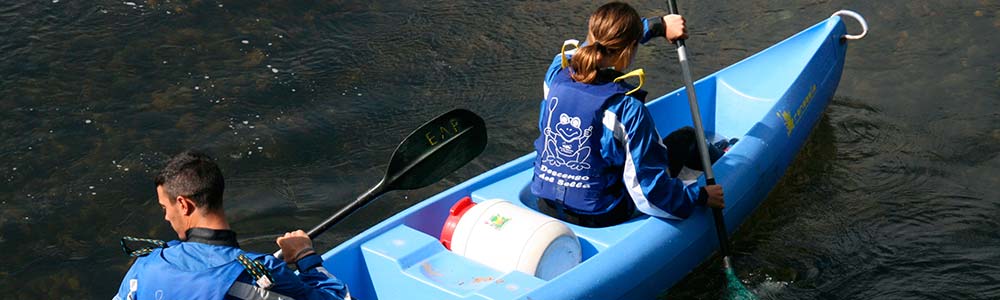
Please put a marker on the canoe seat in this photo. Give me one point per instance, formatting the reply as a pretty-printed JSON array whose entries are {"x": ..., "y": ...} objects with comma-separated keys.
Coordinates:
[{"x": 406, "y": 257}]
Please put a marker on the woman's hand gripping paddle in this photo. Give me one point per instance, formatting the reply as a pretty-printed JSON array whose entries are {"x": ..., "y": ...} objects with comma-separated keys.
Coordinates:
[
  {"x": 436, "y": 149},
  {"x": 736, "y": 290}
]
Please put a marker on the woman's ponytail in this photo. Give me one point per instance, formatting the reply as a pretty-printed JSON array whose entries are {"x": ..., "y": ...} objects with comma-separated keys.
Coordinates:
[{"x": 586, "y": 62}]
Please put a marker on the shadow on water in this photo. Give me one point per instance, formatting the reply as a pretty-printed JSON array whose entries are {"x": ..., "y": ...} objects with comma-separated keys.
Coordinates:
[
  {"x": 852, "y": 219},
  {"x": 769, "y": 220}
]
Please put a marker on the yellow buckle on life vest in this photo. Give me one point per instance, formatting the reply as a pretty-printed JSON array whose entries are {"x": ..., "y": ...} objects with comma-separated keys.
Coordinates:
[
  {"x": 575, "y": 44},
  {"x": 638, "y": 72}
]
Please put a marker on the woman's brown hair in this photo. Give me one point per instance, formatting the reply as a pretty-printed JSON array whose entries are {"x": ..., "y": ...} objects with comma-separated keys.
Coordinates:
[{"x": 614, "y": 30}]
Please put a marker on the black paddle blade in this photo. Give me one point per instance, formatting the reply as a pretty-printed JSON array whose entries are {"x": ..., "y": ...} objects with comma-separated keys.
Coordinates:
[
  {"x": 431, "y": 152},
  {"x": 436, "y": 149}
]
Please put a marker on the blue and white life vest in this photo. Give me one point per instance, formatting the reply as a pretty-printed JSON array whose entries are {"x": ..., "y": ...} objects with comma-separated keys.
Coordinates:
[
  {"x": 570, "y": 167},
  {"x": 159, "y": 279},
  {"x": 155, "y": 277}
]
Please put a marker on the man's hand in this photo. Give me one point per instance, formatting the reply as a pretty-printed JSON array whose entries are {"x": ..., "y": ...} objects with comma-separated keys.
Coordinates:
[
  {"x": 295, "y": 245},
  {"x": 715, "y": 199},
  {"x": 674, "y": 27}
]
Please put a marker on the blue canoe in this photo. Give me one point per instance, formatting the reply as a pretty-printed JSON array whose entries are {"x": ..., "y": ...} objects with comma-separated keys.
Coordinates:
[{"x": 770, "y": 101}]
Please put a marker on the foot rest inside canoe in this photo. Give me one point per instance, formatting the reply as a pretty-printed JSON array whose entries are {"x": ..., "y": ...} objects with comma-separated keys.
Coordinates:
[{"x": 410, "y": 262}]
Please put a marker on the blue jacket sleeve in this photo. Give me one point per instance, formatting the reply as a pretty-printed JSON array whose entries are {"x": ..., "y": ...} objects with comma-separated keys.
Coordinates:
[
  {"x": 651, "y": 29},
  {"x": 554, "y": 68},
  {"x": 125, "y": 288},
  {"x": 645, "y": 173},
  {"x": 312, "y": 281}
]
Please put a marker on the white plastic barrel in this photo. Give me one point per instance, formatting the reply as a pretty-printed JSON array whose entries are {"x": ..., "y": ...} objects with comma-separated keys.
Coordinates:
[{"x": 508, "y": 237}]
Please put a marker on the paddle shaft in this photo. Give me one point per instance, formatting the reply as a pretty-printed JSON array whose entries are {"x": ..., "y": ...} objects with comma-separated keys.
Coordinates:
[
  {"x": 720, "y": 222},
  {"x": 362, "y": 200}
]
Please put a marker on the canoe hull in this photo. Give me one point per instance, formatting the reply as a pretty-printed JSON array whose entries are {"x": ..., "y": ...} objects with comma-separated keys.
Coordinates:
[{"x": 771, "y": 101}]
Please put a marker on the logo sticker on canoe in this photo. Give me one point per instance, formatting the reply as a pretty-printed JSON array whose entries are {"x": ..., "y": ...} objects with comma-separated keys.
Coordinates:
[
  {"x": 497, "y": 221},
  {"x": 791, "y": 120}
]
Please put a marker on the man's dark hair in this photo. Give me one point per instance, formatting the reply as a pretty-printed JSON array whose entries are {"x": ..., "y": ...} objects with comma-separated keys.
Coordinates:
[{"x": 194, "y": 175}]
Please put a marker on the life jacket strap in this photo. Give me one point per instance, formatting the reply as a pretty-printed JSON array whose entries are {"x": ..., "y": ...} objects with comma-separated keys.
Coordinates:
[
  {"x": 575, "y": 44},
  {"x": 246, "y": 291},
  {"x": 256, "y": 269},
  {"x": 141, "y": 251},
  {"x": 637, "y": 73}
]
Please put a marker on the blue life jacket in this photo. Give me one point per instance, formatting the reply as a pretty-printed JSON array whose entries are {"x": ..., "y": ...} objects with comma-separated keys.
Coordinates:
[
  {"x": 158, "y": 278},
  {"x": 570, "y": 167}
]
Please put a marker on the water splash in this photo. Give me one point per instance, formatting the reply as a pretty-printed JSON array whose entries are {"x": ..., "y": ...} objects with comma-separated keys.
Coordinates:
[{"x": 735, "y": 289}]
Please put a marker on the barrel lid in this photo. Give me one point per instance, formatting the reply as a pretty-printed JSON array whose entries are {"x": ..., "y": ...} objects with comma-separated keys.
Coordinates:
[{"x": 454, "y": 215}]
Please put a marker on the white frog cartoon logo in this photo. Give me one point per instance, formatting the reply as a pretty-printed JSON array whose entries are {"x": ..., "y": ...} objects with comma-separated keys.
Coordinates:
[{"x": 567, "y": 144}]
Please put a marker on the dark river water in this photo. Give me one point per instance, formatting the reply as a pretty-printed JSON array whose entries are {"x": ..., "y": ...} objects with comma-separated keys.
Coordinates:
[{"x": 894, "y": 196}]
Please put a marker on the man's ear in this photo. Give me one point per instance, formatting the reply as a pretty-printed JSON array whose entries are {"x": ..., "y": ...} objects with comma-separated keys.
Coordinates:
[{"x": 187, "y": 205}]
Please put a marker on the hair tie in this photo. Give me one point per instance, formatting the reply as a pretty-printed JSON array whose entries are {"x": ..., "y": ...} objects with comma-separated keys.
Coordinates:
[{"x": 600, "y": 48}]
